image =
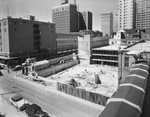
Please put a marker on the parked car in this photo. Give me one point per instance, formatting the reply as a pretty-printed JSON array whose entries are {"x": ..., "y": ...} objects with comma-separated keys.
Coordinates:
[
  {"x": 35, "y": 111},
  {"x": 18, "y": 101},
  {"x": 24, "y": 106}
]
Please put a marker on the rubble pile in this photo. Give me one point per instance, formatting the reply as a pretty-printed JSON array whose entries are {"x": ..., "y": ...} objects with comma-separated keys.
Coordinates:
[{"x": 93, "y": 78}]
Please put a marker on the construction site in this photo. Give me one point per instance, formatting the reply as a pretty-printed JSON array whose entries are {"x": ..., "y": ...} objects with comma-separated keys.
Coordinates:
[
  {"x": 95, "y": 83},
  {"x": 75, "y": 75},
  {"x": 85, "y": 78}
]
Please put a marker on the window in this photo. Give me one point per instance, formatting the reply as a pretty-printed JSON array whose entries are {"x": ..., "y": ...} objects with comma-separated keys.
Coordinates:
[
  {"x": 126, "y": 63},
  {"x": 15, "y": 29},
  {"x": 5, "y": 29},
  {"x": 15, "y": 23},
  {"x": 4, "y": 23}
]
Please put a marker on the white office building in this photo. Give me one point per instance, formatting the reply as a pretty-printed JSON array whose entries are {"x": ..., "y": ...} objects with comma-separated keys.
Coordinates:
[
  {"x": 126, "y": 14},
  {"x": 143, "y": 14}
]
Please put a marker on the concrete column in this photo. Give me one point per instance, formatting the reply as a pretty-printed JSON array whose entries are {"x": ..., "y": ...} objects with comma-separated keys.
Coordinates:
[{"x": 84, "y": 49}]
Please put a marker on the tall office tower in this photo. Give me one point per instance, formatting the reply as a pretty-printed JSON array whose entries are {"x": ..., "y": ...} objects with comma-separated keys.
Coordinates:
[
  {"x": 126, "y": 14},
  {"x": 65, "y": 17},
  {"x": 143, "y": 14},
  {"x": 107, "y": 24},
  {"x": 115, "y": 23},
  {"x": 87, "y": 20}
]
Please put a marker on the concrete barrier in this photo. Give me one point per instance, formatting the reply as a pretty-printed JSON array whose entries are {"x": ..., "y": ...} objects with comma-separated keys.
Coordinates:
[{"x": 129, "y": 98}]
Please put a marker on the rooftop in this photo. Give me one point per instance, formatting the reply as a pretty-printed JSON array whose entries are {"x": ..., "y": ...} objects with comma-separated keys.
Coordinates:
[
  {"x": 28, "y": 20},
  {"x": 140, "y": 46},
  {"x": 112, "y": 47},
  {"x": 41, "y": 62},
  {"x": 63, "y": 5}
]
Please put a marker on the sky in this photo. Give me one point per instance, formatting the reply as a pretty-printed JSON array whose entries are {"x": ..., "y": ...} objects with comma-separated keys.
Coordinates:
[{"x": 42, "y": 9}]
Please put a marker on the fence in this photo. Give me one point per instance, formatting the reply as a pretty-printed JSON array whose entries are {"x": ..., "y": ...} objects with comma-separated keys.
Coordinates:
[{"x": 82, "y": 93}]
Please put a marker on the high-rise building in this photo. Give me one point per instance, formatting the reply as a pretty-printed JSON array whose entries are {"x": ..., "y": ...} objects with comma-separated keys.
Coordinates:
[
  {"x": 20, "y": 38},
  {"x": 65, "y": 17},
  {"x": 115, "y": 23},
  {"x": 126, "y": 14},
  {"x": 87, "y": 20},
  {"x": 107, "y": 24},
  {"x": 143, "y": 14}
]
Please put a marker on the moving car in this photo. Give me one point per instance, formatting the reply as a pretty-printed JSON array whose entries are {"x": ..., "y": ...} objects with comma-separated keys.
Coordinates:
[
  {"x": 35, "y": 111},
  {"x": 17, "y": 100}
]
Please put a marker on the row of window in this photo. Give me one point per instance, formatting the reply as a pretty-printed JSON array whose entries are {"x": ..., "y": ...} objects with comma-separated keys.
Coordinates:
[
  {"x": 105, "y": 58},
  {"x": 61, "y": 9},
  {"x": 126, "y": 62},
  {"x": 4, "y": 23},
  {"x": 66, "y": 43},
  {"x": 105, "y": 52}
]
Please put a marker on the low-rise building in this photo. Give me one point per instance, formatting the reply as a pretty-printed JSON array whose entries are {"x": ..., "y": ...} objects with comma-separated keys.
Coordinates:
[
  {"x": 107, "y": 55},
  {"x": 21, "y": 38},
  {"x": 40, "y": 65},
  {"x": 123, "y": 38},
  {"x": 86, "y": 43},
  {"x": 127, "y": 61}
]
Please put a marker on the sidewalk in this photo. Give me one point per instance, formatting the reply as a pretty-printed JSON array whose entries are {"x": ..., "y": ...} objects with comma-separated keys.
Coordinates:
[{"x": 9, "y": 110}]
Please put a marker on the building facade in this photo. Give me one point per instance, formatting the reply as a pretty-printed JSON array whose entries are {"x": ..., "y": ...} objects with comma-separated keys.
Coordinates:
[
  {"x": 22, "y": 38},
  {"x": 127, "y": 61},
  {"x": 85, "y": 45},
  {"x": 107, "y": 24},
  {"x": 65, "y": 17},
  {"x": 66, "y": 43},
  {"x": 87, "y": 19},
  {"x": 143, "y": 14},
  {"x": 126, "y": 14},
  {"x": 107, "y": 55},
  {"x": 115, "y": 22}
]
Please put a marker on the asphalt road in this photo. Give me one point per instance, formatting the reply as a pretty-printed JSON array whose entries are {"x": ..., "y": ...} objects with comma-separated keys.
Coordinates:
[{"x": 58, "y": 104}]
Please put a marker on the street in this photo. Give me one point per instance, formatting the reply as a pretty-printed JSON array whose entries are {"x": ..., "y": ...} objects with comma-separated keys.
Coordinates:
[{"x": 56, "y": 103}]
